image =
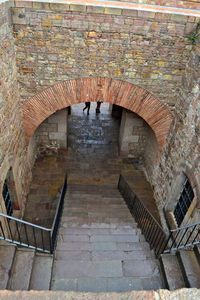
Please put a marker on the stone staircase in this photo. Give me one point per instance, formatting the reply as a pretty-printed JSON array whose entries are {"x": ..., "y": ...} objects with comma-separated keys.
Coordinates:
[
  {"x": 181, "y": 269},
  {"x": 24, "y": 269},
  {"x": 100, "y": 248}
]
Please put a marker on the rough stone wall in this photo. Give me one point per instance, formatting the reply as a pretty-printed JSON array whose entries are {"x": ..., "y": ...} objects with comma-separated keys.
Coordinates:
[
  {"x": 12, "y": 142},
  {"x": 133, "y": 135},
  {"x": 182, "y": 152},
  {"x": 56, "y": 42},
  {"x": 53, "y": 130}
]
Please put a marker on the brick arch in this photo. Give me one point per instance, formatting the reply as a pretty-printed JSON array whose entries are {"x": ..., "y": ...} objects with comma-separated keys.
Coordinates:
[{"x": 39, "y": 107}]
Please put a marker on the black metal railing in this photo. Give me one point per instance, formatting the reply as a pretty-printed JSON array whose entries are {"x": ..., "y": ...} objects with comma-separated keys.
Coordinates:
[
  {"x": 30, "y": 235},
  {"x": 183, "y": 238},
  {"x": 151, "y": 229}
]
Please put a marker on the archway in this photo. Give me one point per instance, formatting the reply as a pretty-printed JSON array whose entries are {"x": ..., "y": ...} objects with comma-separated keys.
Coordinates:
[{"x": 138, "y": 100}]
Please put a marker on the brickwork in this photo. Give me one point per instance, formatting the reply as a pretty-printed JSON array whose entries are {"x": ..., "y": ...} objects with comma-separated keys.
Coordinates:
[
  {"x": 134, "y": 98},
  {"x": 12, "y": 141}
]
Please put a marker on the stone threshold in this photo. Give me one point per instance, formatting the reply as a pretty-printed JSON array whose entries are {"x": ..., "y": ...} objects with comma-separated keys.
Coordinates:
[
  {"x": 117, "y": 6},
  {"x": 189, "y": 294}
]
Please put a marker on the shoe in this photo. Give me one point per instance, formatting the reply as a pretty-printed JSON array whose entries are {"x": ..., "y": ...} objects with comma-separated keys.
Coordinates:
[{"x": 97, "y": 110}]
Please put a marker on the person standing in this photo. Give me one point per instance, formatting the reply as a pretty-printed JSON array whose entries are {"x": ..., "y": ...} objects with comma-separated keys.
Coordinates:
[
  {"x": 98, "y": 107},
  {"x": 87, "y": 106}
]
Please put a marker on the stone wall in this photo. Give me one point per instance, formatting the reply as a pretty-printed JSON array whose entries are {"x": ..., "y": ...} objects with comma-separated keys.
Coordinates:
[
  {"x": 56, "y": 42},
  {"x": 53, "y": 130},
  {"x": 12, "y": 141},
  {"x": 182, "y": 152},
  {"x": 133, "y": 135}
]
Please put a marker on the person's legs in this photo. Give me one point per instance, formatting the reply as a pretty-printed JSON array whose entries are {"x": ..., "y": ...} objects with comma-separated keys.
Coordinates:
[
  {"x": 88, "y": 107},
  {"x": 98, "y": 107},
  {"x": 87, "y": 104}
]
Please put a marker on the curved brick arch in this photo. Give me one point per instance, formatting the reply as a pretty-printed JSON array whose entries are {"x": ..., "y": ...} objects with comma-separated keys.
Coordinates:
[{"x": 37, "y": 108}]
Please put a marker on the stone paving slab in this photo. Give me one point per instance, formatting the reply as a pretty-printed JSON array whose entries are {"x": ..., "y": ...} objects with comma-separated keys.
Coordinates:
[{"x": 135, "y": 268}]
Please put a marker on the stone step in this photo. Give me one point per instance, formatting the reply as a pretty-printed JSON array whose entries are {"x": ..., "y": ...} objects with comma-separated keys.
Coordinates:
[
  {"x": 21, "y": 270},
  {"x": 102, "y": 246},
  {"x": 190, "y": 268},
  {"x": 97, "y": 231},
  {"x": 102, "y": 255},
  {"x": 41, "y": 272},
  {"x": 172, "y": 272},
  {"x": 197, "y": 253},
  {"x": 107, "y": 284},
  {"x": 93, "y": 269},
  {"x": 7, "y": 253}
]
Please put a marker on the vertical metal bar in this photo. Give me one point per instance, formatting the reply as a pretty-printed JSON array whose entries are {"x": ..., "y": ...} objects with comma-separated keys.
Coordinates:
[
  {"x": 34, "y": 236},
  {"x": 190, "y": 235},
  {"x": 193, "y": 241},
  {"x": 18, "y": 232},
  {"x": 25, "y": 230},
  {"x": 10, "y": 230},
  {"x": 50, "y": 243},
  {"x": 2, "y": 230},
  {"x": 42, "y": 239},
  {"x": 184, "y": 233}
]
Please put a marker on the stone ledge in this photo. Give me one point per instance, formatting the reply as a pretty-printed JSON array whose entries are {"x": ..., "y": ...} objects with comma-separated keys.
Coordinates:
[
  {"x": 189, "y": 294},
  {"x": 114, "y": 7}
]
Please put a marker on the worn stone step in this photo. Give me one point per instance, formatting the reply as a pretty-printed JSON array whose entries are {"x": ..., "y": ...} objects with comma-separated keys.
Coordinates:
[
  {"x": 140, "y": 268},
  {"x": 21, "y": 270},
  {"x": 93, "y": 269},
  {"x": 41, "y": 272},
  {"x": 102, "y": 246},
  {"x": 120, "y": 255},
  {"x": 172, "y": 273},
  {"x": 98, "y": 231},
  {"x": 7, "y": 253},
  {"x": 190, "y": 268}
]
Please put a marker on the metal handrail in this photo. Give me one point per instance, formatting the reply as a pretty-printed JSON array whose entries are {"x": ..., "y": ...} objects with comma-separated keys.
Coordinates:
[
  {"x": 152, "y": 230},
  {"x": 183, "y": 237},
  {"x": 26, "y": 234}
]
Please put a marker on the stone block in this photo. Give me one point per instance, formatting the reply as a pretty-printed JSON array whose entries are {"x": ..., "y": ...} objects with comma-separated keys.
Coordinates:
[
  {"x": 130, "y": 12},
  {"x": 124, "y": 284},
  {"x": 92, "y": 285},
  {"x": 41, "y": 5},
  {"x": 112, "y": 11},
  {"x": 79, "y": 8},
  {"x": 95, "y": 9},
  {"x": 64, "y": 285},
  {"x": 59, "y": 6}
]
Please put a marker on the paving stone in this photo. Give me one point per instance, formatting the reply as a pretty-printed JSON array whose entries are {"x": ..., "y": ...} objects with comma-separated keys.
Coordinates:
[
  {"x": 118, "y": 255},
  {"x": 92, "y": 285},
  {"x": 137, "y": 268},
  {"x": 124, "y": 284},
  {"x": 114, "y": 238},
  {"x": 64, "y": 285},
  {"x": 41, "y": 272},
  {"x": 73, "y": 255}
]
